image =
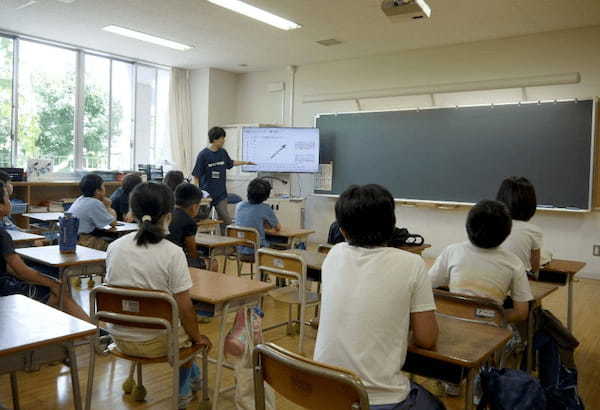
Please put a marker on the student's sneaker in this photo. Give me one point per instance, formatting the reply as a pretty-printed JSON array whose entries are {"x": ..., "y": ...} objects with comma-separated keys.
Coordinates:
[{"x": 184, "y": 401}]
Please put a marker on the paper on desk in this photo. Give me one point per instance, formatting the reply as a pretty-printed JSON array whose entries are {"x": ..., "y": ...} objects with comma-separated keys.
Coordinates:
[{"x": 324, "y": 178}]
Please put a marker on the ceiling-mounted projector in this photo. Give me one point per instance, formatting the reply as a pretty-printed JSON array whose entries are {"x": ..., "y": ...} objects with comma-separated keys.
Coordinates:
[{"x": 399, "y": 10}]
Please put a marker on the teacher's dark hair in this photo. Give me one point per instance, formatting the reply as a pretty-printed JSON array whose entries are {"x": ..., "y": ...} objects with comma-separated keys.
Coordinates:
[
  {"x": 216, "y": 133},
  {"x": 518, "y": 194},
  {"x": 149, "y": 202},
  {"x": 366, "y": 215}
]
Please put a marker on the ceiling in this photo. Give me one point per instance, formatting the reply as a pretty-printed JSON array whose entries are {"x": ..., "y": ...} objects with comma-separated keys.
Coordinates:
[{"x": 224, "y": 39}]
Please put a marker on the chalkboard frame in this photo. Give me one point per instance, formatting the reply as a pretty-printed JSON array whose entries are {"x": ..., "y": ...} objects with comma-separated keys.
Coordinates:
[{"x": 452, "y": 204}]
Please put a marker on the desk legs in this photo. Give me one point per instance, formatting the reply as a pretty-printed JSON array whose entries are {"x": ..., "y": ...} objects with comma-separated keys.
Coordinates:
[
  {"x": 74, "y": 375},
  {"x": 15, "y": 390},
  {"x": 470, "y": 388},
  {"x": 570, "y": 303},
  {"x": 220, "y": 356},
  {"x": 91, "y": 367}
]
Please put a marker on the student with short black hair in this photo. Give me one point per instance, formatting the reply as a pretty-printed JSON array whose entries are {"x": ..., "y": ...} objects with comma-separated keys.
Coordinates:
[
  {"x": 253, "y": 213},
  {"x": 371, "y": 296},
  {"x": 173, "y": 178},
  {"x": 120, "y": 198},
  {"x": 481, "y": 267},
  {"x": 525, "y": 239},
  {"x": 210, "y": 172},
  {"x": 20, "y": 279},
  {"x": 146, "y": 260},
  {"x": 94, "y": 211},
  {"x": 183, "y": 228}
]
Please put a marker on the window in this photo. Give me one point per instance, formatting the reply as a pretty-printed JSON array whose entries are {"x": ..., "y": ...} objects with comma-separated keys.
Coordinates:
[
  {"x": 6, "y": 97},
  {"x": 122, "y": 115},
  {"x": 46, "y": 105},
  {"x": 107, "y": 113},
  {"x": 123, "y": 105},
  {"x": 152, "y": 145}
]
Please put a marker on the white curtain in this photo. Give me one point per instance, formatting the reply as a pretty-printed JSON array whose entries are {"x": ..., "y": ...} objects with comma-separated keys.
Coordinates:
[{"x": 180, "y": 111}]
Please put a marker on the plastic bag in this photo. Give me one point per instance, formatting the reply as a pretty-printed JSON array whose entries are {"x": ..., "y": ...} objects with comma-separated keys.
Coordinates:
[{"x": 239, "y": 344}]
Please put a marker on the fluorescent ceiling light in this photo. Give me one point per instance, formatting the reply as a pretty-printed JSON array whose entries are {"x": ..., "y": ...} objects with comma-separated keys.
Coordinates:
[
  {"x": 256, "y": 13},
  {"x": 146, "y": 37}
]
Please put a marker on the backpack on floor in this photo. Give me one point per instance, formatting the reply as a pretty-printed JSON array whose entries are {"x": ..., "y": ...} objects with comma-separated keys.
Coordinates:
[{"x": 509, "y": 389}]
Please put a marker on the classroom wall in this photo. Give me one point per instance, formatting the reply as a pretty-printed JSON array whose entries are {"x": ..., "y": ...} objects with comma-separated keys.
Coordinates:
[
  {"x": 200, "y": 102},
  {"x": 567, "y": 235},
  {"x": 214, "y": 102}
]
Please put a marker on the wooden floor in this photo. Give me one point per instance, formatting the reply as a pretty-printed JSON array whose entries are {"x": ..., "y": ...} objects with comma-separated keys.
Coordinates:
[{"x": 50, "y": 388}]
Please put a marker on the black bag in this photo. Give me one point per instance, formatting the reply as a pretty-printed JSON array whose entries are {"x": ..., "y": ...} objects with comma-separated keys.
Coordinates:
[
  {"x": 508, "y": 389},
  {"x": 401, "y": 237}
]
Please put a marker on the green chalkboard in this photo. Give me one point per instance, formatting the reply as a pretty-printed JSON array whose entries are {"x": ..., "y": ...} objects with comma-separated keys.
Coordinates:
[{"x": 461, "y": 154}]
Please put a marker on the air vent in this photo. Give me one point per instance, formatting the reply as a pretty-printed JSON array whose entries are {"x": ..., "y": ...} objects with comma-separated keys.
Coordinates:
[{"x": 329, "y": 42}]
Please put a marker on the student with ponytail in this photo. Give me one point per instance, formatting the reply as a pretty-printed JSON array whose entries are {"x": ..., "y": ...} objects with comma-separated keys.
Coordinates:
[{"x": 146, "y": 260}]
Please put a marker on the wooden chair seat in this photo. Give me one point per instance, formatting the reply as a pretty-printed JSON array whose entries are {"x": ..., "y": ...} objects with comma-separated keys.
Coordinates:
[
  {"x": 184, "y": 353},
  {"x": 290, "y": 295}
]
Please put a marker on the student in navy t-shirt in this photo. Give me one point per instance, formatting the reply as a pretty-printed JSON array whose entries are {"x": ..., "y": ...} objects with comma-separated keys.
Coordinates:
[{"x": 210, "y": 172}]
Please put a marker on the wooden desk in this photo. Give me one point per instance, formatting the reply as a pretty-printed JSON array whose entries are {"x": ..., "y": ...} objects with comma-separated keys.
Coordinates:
[
  {"x": 227, "y": 294},
  {"x": 292, "y": 236},
  {"x": 45, "y": 216},
  {"x": 214, "y": 242},
  {"x": 23, "y": 238},
  {"x": 122, "y": 228},
  {"x": 569, "y": 269},
  {"x": 51, "y": 256},
  {"x": 314, "y": 260},
  {"x": 461, "y": 346},
  {"x": 208, "y": 225},
  {"x": 24, "y": 327},
  {"x": 415, "y": 249}
]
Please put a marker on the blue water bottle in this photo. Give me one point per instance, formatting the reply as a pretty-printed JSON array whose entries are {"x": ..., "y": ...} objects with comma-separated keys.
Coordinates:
[{"x": 68, "y": 226}]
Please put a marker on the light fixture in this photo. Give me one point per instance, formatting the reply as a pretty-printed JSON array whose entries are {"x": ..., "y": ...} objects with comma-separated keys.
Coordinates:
[
  {"x": 146, "y": 37},
  {"x": 257, "y": 14}
]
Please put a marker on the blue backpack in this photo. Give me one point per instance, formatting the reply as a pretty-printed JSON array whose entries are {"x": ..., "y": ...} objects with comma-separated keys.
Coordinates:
[{"x": 508, "y": 389}]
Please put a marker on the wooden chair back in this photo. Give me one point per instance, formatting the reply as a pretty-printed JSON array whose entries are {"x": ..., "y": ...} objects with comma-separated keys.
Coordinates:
[
  {"x": 130, "y": 307},
  {"x": 471, "y": 308},
  {"x": 250, "y": 236},
  {"x": 281, "y": 264},
  {"x": 305, "y": 382},
  {"x": 324, "y": 248}
]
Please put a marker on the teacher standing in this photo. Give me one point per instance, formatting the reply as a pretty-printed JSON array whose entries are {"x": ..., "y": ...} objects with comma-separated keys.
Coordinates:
[{"x": 210, "y": 172}]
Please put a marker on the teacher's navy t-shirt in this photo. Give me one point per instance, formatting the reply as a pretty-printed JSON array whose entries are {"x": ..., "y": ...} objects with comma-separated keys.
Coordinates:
[{"x": 211, "y": 168}]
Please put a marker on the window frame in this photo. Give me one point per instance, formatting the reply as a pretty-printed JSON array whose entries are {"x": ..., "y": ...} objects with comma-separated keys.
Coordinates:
[{"x": 78, "y": 117}]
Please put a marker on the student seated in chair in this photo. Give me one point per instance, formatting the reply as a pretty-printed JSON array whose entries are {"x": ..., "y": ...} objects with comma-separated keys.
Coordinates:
[
  {"x": 120, "y": 198},
  {"x": 22, "y": 280},
  {"x": 371, "y": 296},
  {"x": 481, "y": 267},
  {"x": 147, "y": 260},
  {"x": 253, "y": 213},
  {"x": 183, "y": 228},
  {"x": 94, "y": 212}
]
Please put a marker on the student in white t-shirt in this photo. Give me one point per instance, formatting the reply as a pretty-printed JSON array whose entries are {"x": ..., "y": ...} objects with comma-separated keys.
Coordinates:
[
  {"x": 525, "y": 239},
  {"x": 482, "y": 267},
  {"x": 146, "y": 260},
  {"x": 371, "y": 297}
]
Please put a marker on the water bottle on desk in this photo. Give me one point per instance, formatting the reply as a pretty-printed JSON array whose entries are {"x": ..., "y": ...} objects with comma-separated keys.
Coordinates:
[{"x": 68, "y": 226}]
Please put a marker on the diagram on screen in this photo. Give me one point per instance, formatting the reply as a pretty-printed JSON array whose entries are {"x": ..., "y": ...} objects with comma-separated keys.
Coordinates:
[{"x": 281, "y": 149}]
